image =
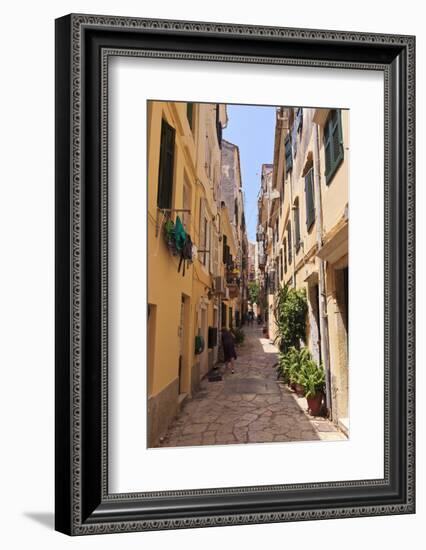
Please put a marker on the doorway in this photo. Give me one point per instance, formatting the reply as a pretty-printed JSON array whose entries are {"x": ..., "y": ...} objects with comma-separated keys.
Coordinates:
[
  {"x": 151, "y": 335},
  {"x": 183, "y": 340},
  {"x": 203, "y": 332}
]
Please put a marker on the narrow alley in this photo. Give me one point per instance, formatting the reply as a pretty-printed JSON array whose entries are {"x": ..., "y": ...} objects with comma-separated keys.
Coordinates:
[{"x": 249, "y": 406}]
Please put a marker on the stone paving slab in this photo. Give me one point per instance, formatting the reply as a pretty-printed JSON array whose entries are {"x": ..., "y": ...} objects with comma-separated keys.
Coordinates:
[
  {"x": 253, "y": 386},
  {"x": 249, "y": 406}
]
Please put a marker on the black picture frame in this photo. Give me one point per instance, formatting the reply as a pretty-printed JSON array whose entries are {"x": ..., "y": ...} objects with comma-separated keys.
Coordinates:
[{"x": 83, "y": 45}]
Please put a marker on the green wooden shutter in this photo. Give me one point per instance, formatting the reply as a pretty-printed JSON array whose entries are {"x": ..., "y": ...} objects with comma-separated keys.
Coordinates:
[
  {"x": 288, "y": 154},
  {"x": 333, "y": 144},
  {"x": 297, "y": 224},
  {"x": 328, "y": 151},
  {"x": 166, "y": 168},
  {"x": 310, "y": 199}
]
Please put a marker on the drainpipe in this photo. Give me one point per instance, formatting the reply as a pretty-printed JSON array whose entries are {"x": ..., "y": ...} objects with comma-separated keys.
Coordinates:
[{"x": 325, "y": 349}]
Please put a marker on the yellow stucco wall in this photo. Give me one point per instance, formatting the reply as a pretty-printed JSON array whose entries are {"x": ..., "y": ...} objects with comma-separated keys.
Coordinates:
[
  {"x": 165, "y": 284},
  {"x": 304, "y": 270},
  {"x": 196, "y": 166},
  {"x": 335, "y": 194}
]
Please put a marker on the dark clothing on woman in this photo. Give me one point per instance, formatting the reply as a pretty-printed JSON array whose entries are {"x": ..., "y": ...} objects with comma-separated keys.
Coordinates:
[{"x": 228, "y": 345}]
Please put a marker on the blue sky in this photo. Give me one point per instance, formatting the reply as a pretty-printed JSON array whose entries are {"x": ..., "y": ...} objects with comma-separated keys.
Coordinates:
[{"x": 252, "y": 129}]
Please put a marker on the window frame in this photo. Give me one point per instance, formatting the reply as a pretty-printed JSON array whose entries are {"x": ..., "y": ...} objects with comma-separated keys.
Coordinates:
[
  {"x": 296, "y": 216},
  {"x": 310, "y": 221},
  {"x": 161, "y": 186},
  {"x": 330, "y": 128}
]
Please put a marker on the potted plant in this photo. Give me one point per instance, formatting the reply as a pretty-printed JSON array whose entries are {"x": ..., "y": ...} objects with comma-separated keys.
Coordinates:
[
  {"x": 312, "y": 377},
  {"x": 283, "y": 371},
  {"x": 291, "y": 367}
]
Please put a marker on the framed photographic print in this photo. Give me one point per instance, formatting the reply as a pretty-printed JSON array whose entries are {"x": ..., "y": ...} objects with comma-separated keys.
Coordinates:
[{"x": 215, "y": 362}]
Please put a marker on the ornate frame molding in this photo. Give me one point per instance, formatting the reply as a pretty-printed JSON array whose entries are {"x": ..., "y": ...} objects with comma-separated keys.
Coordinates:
[{"x": 85, "y": 508}]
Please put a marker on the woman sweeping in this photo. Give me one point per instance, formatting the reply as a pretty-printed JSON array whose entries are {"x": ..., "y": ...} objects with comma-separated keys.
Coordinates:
[{"x": 228, "y": 348}]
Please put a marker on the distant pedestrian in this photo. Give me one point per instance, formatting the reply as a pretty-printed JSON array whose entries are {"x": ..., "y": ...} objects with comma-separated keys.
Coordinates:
[{"x": 228, "y": 348}]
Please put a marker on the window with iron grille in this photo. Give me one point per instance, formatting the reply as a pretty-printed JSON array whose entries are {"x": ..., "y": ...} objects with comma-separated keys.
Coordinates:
[{"x": 333, "y": 144}]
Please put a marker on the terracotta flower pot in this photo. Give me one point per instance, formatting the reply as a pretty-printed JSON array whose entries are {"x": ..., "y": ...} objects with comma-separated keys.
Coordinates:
[{"x": 314, "y": 404}]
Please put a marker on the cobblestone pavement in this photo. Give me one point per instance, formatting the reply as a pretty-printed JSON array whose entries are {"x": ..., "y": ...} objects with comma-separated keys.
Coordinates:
[{"x": 249, "y": 406}]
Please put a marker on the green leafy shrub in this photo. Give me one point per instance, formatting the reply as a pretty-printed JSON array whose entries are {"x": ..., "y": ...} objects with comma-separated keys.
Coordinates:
[
  {"x": 297, "y": 367},
  {"x": 290, "y": 311},
  {"x": 254, "y": 292},
  {"x": 312, "y": 377}
]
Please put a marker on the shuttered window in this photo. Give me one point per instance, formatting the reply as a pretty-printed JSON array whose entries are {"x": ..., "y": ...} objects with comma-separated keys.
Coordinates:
[
  {"x": 218, "y": 127},
  {"x": 289, "y": 244},
  {"x": 297, "y": 224},
  {"x": 186, "y": 204},
  {"x": 288, "y": 154},
  {"x": 166, "y": 168},
  {"x": 209, "y": 256},
  {"x": 203, "y": 232},
  {"x": 281, "y": 264},
  {"x": 224, "y": 257},
  {"x": 215, "y": 255},
  {"x": 333, "y": 144},
  {"x": 310, "y": 199},
  {"x": 285, "y": 256},
  {"x": 299, "y": 119}
]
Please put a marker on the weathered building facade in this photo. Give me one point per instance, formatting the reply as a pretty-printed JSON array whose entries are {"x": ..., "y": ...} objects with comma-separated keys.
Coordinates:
[
  {"x": 233, "y": 198},
  {"x": 303, "y": 231},
  {"x": 187, "y": 263}
]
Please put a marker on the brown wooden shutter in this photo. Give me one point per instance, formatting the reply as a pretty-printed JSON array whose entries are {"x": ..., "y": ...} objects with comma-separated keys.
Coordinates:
[{"x": 289, "y": 242}]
